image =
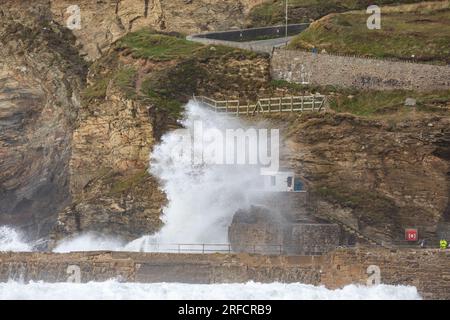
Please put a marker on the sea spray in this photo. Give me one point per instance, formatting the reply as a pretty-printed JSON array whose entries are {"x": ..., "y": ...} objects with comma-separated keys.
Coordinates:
[
  {"x": 203, "y": 195},
  {"x": 89, "y": 242},
  {"x": 177, "y": 291},
  {"x": 13, "y": 240}
]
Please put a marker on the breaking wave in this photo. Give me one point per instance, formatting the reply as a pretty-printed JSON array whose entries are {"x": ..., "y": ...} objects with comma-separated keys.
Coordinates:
[
  {"x": 89, "y": 242},
  {"x": 202, "y": 198},
  {"x": 113, "y": 290},
  {"x": 13, "y": 240}
]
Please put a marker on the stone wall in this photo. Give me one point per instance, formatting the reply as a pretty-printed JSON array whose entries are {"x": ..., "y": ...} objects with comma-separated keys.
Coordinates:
[
  {"x": 309, "y": 238},
  {"x": 263, "y": 230},
  {"x": 159, "y": 267},
  {"x": 426, "y": 269},
  {"x": 293, "y": 206},
  {"x": 355, "y": 72}
]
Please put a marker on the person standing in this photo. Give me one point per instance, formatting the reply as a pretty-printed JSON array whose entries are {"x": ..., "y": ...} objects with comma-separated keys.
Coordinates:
[{"x": 423, "y": 243}]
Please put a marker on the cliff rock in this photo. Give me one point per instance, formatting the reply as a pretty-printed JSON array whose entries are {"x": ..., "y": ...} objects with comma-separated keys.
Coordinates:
[
  {"x": 376, "y": 176},
  {"x": 103, "y": 22},
  {"x": 40, "y": 79}
]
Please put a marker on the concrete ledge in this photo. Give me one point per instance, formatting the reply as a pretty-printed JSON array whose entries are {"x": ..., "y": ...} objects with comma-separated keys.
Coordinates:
[{"x": 427, "y": 269}]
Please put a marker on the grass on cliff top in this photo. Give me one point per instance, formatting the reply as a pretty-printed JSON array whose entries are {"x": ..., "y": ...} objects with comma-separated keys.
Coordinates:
[
  {"x": 420, "y": 32},
  {"x": 178, "y": 69},
  {"x": 158, "y": 47},
  {"x": 374, "y": 103},
  {"x": 379, "y": 103},
  {"x": 272, "y": 12}
]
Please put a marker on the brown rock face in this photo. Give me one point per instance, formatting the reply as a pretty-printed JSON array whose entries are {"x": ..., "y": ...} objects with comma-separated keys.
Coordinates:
[
  {"x": 40, "y": 77},
  {"x": 118, "y": 125},
  {"x": 103, "y": 22},
  {"x": 378, "y": 177},
  {"x": 112, "y": 191}
]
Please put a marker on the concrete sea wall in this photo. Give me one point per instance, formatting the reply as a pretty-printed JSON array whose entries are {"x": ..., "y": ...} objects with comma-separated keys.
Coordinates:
[{"x": 427, "y": 269}]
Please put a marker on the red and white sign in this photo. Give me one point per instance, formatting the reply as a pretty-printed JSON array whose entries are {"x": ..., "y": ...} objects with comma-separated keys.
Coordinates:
[{"x": 411, "y": 235}]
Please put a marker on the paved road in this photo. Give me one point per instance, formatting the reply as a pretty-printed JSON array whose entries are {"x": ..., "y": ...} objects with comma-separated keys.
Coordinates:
[
  {"x": 279, "y": 42},
  {"x": 228, "y": 38},
  {"x": 257, "y": 46}
]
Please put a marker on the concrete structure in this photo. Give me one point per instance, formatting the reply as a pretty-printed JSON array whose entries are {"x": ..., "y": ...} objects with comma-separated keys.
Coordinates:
[
  {"x": 269, "y": 231},
  {"x": 357, "y": 72},
  {"x": 283, "y": 181},
  {"x": 263, "y": 39},
  {"x": 427, "y": 269}
]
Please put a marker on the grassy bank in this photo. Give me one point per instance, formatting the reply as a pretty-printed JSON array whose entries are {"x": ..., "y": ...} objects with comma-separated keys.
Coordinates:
[
  {"x": 164, "y": 70},
  {"x": 272, "y": 12},
  {"x": 373, "y": 103},
  {"x": 420, "y": 32}
]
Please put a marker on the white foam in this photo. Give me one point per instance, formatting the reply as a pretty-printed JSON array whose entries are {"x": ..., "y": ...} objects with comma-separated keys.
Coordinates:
[
  {"x": 177, "y": 291},
  {"x": 12, "y": 240},
  {"x": 202, "y": 199},
  {"x": 89, "y": 242}
]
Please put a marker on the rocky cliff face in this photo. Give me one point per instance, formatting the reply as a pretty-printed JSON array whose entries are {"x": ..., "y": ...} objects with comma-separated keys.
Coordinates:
[
  {"x": 131, "y": 100},
  {"x": 103, "y": 22},
  {"x": 40, "y": 79},
  {"x": 377, "y": 176},
  {"x": 74, "y": 162},
  {"x": 112, "y": 192}
]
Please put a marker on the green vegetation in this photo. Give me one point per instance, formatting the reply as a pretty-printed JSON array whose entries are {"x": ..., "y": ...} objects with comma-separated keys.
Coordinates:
[
  {"x": 126, "y": 184},
  {"x": 373, "y": 208},
  {"x": 373, "y": 103},
  {"x": 97, "y": 90},
  {"x": 158, "y": 47},
  {"x": 421, "y": 32},
  {"x": 376, "y": 103},
  {"x": 173, "y": 69},
  {"x": 272, "y": 12},
  {"x": 297, "y": 88},
  {"x": 125, "y": 79}
]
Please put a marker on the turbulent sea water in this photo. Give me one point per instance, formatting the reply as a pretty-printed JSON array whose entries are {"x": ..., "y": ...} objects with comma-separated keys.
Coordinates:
[
  {"x": 176, "y": 291},
  {"x": 202, "y": 201},
  {"x": 10, "y": 240}
]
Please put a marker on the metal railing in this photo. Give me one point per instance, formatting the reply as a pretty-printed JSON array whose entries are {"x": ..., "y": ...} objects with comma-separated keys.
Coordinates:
[
  {"x": 266, "y": 249},
  {"x": 311, "y": 103}
]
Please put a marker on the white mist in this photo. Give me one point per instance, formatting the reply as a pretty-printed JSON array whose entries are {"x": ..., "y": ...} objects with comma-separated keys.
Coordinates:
[{"x": 202, "y": 197}]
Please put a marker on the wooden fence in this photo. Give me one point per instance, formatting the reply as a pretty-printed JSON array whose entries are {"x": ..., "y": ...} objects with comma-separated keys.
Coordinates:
[{"x": 312, "y": 103}]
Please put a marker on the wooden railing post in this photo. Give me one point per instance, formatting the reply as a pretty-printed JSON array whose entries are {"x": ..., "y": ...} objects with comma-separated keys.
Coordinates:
[{"x": 265, "y": 105}]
